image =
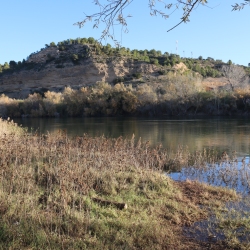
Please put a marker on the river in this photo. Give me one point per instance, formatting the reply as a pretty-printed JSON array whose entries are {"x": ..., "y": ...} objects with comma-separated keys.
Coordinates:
[{"x": 222, "y": 134}]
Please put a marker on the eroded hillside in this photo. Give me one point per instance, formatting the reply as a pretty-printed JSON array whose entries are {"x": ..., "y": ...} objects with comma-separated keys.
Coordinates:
[
  {"x": 83, "y": 62},
  {"x": 53, "y": 69}
]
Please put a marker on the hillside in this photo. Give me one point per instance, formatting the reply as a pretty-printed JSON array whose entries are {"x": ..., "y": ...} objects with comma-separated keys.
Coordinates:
[
  {"x": 83, "y": 62},
  {"x": 76, "y": 65}
]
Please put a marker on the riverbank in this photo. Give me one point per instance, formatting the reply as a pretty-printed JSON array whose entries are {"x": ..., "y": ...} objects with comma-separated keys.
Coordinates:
[
  {"x": 171, "y": 100},
  {"x": 61, "y": 193}
]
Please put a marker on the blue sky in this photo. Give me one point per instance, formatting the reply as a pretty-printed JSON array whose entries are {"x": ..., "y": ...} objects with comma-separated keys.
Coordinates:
[{"x": 214, "y": 31}]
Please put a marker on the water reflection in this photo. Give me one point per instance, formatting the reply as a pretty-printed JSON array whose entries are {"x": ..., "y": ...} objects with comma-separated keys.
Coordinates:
[
  {"x": 221, "y": 134},
  {"x": 232, "y": 174}
]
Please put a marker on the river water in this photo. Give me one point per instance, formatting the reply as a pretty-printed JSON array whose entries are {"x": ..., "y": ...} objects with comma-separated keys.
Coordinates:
[{"x": 222, "y": 134}]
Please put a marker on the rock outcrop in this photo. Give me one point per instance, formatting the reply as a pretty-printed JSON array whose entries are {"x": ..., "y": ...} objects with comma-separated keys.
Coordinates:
[
  {"x": 79, "y": 65},
  {"x": 51, "y": 69}
]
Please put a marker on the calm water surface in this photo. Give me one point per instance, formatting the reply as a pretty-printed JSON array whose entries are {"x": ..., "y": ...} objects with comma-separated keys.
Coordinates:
[{"x": 221, "y": 134}]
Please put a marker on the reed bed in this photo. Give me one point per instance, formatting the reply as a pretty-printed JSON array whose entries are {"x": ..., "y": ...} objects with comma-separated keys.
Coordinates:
[{"x": 49, "y": 185}]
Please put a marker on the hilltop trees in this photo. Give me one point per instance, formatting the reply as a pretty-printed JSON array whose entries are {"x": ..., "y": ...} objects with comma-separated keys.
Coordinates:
[
  {"x": 69, "y": 47},
  {"x": 6, "y": 66},
  {"x": 13, "y": 64},
  {"x": 77, "y": 50},
  {"x": 52, "y": 44}
]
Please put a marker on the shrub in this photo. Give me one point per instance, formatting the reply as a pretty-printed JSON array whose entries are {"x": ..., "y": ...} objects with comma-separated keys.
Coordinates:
[
  {"x": 137, "y": 75},
  {"x": 154, "y": 61},
  {"x": 50, "y": 58},
  {"x": 118, "y": 80}
]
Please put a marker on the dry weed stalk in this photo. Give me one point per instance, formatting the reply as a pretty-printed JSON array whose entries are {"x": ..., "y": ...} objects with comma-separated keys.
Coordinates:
[{"x": 47, "y": 184}]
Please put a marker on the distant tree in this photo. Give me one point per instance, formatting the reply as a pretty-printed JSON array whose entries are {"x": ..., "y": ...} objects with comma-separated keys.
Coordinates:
[
  {"x": 91, "y": 40},
  {"x": 196, "y": 68},
  {"x": 84, "y": 40},
  {"x": 173, "y": 61},
  {"x": 137, "y": 75},
  {"x": 19, "y": 64},
  {"x": 145, "y": 52},
  {"x": 211, "y": 72},
  {"x": 153, "y": 52},
  {"x": 6, "y": 66},
  {"x": 210, "y": 59},
  {"x": 78, "y": 40},
  {"x": 61, "y": 48},
  {"x": 203, "y": 72},
  {"x": 229, "y": 62},
  {"x": 154, "y": 61},
  {"x": 107, "y": 49},
  {"x": 13, "y": 64},
  {"x": 200, "y": 58},
  {"x": 189, "y": 64},
  {"x": 235, "y": 75},
  {"x": 135, "y": 54},
  {"x": 52, "y": 44},
  {"x": 248, "y": 64},
  {"x": 74, "y": 57},
  {"x": 109, "y": 46},
  {"x": 158, "y": 53}
]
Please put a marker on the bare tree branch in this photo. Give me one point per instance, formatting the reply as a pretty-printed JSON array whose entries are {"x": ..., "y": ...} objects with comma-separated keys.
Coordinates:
[
  {"x": 236, "y": 76},
  {"x": 240, "y": 6},
  {"x": 111, "y": 13},
  {"x": 186, "y": 14}
]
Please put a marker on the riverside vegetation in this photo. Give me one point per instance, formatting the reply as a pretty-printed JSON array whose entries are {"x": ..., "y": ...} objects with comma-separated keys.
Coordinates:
[
  {"x": 50, "y": 185},
  {"x": 174, "y": 88},
  {"x": 104, "y": 99}
]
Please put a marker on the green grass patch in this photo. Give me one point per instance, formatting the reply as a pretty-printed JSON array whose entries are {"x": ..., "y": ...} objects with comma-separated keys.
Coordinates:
[{"x": 49, "y": 185}]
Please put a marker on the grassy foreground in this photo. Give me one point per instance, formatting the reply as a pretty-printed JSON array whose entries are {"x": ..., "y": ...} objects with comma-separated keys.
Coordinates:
[{"x": 49, "y": 185}]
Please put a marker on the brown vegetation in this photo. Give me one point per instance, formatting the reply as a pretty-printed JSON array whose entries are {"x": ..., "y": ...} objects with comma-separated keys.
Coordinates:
[
  {"x": 48, "y": 184},
  {"x": 172, "y": 94}
]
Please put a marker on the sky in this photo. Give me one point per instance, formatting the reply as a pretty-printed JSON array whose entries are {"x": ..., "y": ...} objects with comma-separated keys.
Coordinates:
[{"x": 213, "y": 31}]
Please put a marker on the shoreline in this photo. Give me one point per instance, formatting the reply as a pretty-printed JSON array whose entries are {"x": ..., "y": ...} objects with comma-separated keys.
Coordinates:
[{"x": 48, "y": 203}]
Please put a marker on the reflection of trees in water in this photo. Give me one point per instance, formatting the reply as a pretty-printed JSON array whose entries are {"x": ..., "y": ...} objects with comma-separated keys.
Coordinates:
[
  {"x": 232, "y": 173},
  {"x": 228, "y": 134}
]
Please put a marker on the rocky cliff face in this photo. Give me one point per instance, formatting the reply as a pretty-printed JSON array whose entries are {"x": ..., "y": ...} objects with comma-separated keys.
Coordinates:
[{"x": 53, "y": 70}]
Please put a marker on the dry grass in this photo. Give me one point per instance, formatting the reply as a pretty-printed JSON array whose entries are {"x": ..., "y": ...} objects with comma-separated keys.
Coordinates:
[
  {"x": 47, "y": 184},
  {"x": 9, "y": 128},
  {"x": 232, "y": 225}
]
